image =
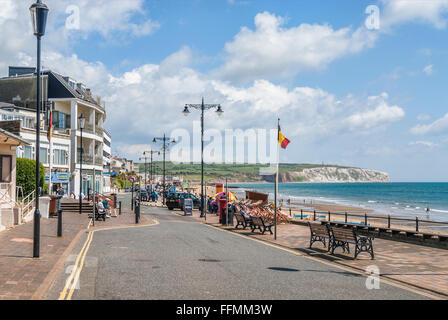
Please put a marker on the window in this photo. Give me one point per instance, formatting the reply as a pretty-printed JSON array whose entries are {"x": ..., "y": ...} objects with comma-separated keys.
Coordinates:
[
  {"x": 5, "y": 168},
  {"x": 28, "y": 152},
  {"x": 43, "y": 155},
  {"x": 60, "y": 157},
  {"x": 61, "y": 120}
]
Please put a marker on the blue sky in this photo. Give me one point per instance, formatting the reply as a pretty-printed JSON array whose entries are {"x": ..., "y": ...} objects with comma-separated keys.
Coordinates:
[{"x": 346, "y": 94}]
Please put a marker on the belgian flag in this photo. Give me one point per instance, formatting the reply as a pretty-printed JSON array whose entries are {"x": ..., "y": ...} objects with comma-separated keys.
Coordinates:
[
  {"x": 50, "y": 126},
  {"x": 282, "y": 139}
]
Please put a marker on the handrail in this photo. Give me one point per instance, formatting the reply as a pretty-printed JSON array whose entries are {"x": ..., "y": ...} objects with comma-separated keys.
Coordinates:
[{"x": 367, "y": 217}]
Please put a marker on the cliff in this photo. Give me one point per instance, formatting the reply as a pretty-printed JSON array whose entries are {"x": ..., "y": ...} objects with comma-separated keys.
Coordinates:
[{"x": 333, "y": 174}]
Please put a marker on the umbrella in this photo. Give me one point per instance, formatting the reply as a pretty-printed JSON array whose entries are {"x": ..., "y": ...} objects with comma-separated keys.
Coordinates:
[{"x": 231, "y": 196}]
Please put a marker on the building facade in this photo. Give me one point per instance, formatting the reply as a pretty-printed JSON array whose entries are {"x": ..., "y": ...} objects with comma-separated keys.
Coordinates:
[{"x": 67, "y": 99}]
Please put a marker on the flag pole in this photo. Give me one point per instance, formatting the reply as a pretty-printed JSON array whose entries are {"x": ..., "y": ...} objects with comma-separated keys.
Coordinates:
[{"x": 276, "y": 180}]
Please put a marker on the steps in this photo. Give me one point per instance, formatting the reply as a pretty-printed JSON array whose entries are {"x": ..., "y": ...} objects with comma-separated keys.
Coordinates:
[{"x": 73, "y": 206}]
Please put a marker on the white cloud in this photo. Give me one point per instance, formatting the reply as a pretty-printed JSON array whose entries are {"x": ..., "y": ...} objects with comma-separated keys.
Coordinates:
[
  {"x": 438, "y": 126},
  {"x": 271, "y": 51},
  {"x": 427, "y": 144},
  {"x": 423, "y": 117},
  {"x": 428, "y": 70},
  {"x": 396, "y": 12}
]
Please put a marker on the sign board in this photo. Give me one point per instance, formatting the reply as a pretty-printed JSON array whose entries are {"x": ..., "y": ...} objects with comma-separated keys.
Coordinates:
[
  {"x": 132, "y": 179},
  {"x": 188, "y": 207},
  {"x": 57, "y": 177}
]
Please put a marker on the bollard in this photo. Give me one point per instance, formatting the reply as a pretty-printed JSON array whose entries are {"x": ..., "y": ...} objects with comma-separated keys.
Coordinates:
[
  {"x": 119, "y": 210},
  {"x": 329, "y": 216},
  {"x": 416, "y": 224},
  {"x": 137, "y": 213},
  {"x": 388, "y": 221},
  {"x": 60, "y": 223}
]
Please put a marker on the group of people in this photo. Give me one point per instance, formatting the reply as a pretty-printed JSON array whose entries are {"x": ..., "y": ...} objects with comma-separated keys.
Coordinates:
[{"x": 102, "y": 205}]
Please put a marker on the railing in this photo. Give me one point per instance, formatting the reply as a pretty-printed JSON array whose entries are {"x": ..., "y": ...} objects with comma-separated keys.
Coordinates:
[
  {"x": 27, "y": 206},
  {"x": 364, "y": 219}
]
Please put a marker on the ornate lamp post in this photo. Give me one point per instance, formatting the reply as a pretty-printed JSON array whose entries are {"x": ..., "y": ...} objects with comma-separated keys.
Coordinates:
[
  {"x": 82, "y": 123},
  {"x": 164, "y": 148},
  {"x": 202, "y": 107},
  {"x": 39, "y": 14}
]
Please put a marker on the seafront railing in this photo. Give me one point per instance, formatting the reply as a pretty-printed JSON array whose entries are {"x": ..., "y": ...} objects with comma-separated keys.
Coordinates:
[{"x": 364, "y": 219}]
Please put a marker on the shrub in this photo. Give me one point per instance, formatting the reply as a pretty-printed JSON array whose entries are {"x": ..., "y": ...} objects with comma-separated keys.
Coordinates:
[{"x": 26, "y": 175}]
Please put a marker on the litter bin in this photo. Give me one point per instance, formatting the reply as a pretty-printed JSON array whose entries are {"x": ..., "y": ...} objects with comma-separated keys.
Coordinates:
[
  {"x": 221, "y": 207},
  {"x": 53, "y": 205},
  {"x": 227, "y": 220},
  {"x": 114, "y": 199}
]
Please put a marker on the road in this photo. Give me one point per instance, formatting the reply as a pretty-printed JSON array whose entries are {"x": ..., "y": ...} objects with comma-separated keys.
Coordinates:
[{"x": 180, "y": 258}]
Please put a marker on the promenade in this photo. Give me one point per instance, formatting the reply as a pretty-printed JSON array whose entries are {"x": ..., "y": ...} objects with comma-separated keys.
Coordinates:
[
  {"x": 25, "y": 278},
  {"x": 419, "y": 266}
]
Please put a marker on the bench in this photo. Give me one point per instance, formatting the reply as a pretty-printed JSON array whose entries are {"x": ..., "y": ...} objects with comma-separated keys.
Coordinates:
[
  {"x": 341, "y": 237},
  {"x": 320, "y": 233},
  {"x": 258, "y": 223},
  {"x": 243, "y": 221},
  {"x": 99, "y": 215}
]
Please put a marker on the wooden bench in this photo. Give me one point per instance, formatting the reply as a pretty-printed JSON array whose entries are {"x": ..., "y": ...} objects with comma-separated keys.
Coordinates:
[
  {"x": 243, "y": 221},
  {"x": 320, "y": 233},
  {"x": 258, "y": 223},
  {"x": 342, "y": 237},
  {"x": 99, "y": 215}
]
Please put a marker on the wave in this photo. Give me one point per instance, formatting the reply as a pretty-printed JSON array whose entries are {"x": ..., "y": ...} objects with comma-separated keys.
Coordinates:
[{"x": 442, "y": 211}]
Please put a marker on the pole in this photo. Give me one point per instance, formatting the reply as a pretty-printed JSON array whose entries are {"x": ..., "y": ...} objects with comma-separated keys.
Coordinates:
[
  {"x": 36, "y": 240},
  {"x": 164, "y": 172},
  {"x": 276, "y": 181},
  {"x": 94, "y": 186},
  {"x": 59, "y": 223},
  {"x": 132, "y": 196},
  {"x": 205, "y": 202},
  {"x": 80, "y": 178},
  {"x": 50, "y": 184},
  {"x": 227, "y": 204},
  {"x": 202, "y": 157}
]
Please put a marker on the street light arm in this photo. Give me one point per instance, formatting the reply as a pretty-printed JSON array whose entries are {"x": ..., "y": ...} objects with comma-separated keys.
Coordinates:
[{"x": 200, "y": 106}]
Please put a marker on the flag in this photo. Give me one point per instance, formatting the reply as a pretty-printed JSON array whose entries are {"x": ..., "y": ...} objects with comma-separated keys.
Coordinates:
[
  {"x": 50, "y": 127},
  {"x": 282, "y": 139}
]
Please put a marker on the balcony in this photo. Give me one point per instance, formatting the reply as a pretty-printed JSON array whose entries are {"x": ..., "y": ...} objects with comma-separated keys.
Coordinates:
[{"x": 87, "y": 159}]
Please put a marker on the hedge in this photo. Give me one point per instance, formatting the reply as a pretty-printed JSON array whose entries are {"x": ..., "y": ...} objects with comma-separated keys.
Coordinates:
[{"x": 26, "y": 175}]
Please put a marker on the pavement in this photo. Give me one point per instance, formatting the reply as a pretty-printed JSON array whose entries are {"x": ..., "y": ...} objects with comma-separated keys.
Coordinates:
[
  {"x": 23, "y": 277},
  {"x": 420, "y": 266},
  {"x": 170, "y": 256},
  {"x": 182, "y": 258}
]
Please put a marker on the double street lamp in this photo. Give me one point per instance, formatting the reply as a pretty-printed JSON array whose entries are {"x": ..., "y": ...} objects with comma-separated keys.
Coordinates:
[
  {"x": 151, "y": 153},
  {"x": 39, "y": 14},
  {"x": 166, "y": 143},
  {"x": 202, "y": 107},
  {"x": 82, "y": 123}
]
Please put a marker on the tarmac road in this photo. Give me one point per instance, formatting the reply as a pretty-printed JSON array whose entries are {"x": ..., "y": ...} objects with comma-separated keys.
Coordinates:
[{"x": 182, "y": 259}]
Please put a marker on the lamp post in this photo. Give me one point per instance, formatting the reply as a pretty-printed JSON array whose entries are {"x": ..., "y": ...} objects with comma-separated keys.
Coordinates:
[
  {"x": 164, "y": 148},
  {"x": 202, "y": 107},
  {"x": 82, "y": 123},
  {"x": 39, "y": 14}
]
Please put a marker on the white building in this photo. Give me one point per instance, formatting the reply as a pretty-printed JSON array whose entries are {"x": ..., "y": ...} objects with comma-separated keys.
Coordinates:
[{"x": 70, "y": 99}]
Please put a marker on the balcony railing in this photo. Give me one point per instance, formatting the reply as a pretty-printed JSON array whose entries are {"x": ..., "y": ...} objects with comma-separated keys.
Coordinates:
[{"x": 87, "y": 159}]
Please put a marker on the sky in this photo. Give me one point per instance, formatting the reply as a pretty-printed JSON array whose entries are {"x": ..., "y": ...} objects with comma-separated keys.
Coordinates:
[{"x": 355, "y": 83}]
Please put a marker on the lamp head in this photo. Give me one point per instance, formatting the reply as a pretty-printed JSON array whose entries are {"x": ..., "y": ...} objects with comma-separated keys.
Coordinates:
[
  {"x": 39, "y": 14},
  {"x": 219, "y": 111},
  {"x": 82, "y": 121},
  {"x": 154, "y": 141},
  {"x": 186, "y": 111}
]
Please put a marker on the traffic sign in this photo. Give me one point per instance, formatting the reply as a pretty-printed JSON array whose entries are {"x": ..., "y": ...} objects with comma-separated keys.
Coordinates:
[{"x": 132, "y": 179}]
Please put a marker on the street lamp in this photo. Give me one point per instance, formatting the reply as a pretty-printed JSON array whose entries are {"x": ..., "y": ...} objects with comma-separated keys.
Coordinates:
[
  {"x": 186, "y": 112},
  {"x": 39, "y": 14},
  {"x": 166, "y": 144},
  {"x": 82, "y": 123}
]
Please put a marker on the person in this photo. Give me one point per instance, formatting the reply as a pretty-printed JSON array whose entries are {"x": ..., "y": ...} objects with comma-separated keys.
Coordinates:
[
  {"x": 428, "y": 209},
  {"x": 60, "y": 193},
  {"x": 106, "y": 208}
]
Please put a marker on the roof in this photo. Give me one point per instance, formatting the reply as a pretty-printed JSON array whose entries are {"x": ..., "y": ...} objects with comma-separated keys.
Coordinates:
[{"x": 10, "y": 135}]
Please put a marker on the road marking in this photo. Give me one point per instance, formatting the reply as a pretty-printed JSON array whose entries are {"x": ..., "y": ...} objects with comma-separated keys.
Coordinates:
[
  {"x": 72, "y": 274},
  {"x": 348, "y": 269},
  {"x": 69, "y": 297}
]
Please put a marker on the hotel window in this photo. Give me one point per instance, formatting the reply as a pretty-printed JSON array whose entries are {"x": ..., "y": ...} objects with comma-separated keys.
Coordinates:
[
  {"x": 61, "y": 120},
  {"x": 43, "y": 155},
  {"x": 60, "y": 157},
  {"x": 5, "y": 169},
  {"x": 28, "y": 152}
]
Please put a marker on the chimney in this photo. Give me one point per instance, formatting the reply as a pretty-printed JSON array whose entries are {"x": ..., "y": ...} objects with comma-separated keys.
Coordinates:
[{"x": 88, "y": 94}]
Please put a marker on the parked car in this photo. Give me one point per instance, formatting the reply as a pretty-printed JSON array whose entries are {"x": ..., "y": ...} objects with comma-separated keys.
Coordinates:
[
  {"x": 176, "y": 200},
  {"x": 144, "y": 195}
]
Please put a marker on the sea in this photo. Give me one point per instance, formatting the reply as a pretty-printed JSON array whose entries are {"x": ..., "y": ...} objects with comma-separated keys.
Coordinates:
[{"x": 404, "y": 200}]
